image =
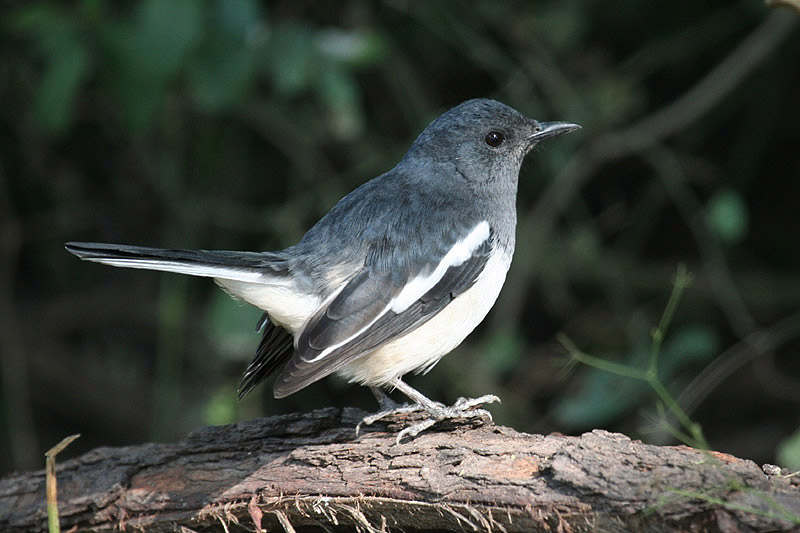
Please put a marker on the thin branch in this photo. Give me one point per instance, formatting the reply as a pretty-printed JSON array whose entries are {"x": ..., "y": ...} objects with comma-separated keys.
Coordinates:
[
  {"x": 754, "y": 345},
  {"x": 724, "y": 288},
  {"x": 687, "y": 109}
]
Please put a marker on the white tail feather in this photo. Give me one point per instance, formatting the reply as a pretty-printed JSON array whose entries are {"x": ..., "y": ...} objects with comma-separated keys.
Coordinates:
[{"x": 192, "y": 269}]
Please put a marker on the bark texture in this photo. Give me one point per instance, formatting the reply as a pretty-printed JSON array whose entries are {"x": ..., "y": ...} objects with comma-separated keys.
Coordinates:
[{"x": 310, "y": 472}]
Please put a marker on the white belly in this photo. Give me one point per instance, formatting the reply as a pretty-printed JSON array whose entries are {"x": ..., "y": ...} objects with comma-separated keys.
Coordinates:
[{"x": 421, "y": 349}]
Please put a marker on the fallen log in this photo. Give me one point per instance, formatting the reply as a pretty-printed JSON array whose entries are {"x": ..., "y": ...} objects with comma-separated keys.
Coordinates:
[{"x": 311, "y": 472}]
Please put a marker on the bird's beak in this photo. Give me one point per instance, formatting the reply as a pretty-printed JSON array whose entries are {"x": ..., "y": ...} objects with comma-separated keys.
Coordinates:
[{"x": 552, "y": 129}]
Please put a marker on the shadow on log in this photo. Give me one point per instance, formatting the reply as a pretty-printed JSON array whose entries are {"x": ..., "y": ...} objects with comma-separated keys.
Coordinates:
[{"x": 310, "y": 472}]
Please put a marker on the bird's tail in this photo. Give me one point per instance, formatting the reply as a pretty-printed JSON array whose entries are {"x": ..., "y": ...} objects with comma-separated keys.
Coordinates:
[{"x": 224, "y": 265}]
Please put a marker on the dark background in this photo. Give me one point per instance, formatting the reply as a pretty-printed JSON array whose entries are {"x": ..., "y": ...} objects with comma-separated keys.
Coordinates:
[{"x": 237, "y": 124}]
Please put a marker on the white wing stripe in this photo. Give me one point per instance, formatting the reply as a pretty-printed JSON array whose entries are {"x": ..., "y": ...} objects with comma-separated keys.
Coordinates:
[
  {"x": 355, "y": 335},
  {"x": 417, "y": 287},
  {"x": 458, "y": 254}
]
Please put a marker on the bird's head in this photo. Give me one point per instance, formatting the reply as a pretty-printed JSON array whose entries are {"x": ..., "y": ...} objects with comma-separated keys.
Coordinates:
[{"x": 487, "y": 140}]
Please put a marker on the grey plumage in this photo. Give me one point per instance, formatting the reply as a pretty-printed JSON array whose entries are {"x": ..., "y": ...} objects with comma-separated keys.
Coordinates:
[{"x": 410, "y": 261}]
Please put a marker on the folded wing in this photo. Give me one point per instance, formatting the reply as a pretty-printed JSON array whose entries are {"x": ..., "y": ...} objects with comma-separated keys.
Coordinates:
[{"x": 377, "y": 306}]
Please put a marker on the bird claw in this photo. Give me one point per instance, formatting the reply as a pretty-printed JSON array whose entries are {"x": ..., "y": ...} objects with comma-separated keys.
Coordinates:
[
  {"x": 468, "y": 404},
  {"x": 416, "y": 429},
  {"x": 399, "y": 410},
  {"x": 437, "y": 412}
]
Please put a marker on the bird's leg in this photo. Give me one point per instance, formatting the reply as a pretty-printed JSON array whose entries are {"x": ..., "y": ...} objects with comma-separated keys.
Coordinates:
[
  {"x": 388, "y": 407},
  {"x": 384, "y": 400},
  {"x": 463, "y": 408},
  {"x": 416, "y": 396}
]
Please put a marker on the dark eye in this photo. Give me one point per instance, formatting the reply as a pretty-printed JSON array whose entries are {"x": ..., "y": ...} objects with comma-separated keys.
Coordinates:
[{"x": 494, "y": 139}]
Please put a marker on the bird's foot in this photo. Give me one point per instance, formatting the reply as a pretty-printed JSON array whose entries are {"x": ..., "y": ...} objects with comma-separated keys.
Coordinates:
[{"x": 464, "y": 408}]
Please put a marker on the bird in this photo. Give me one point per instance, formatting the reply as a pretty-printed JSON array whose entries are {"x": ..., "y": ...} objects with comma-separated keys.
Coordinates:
[{"x": 395, "y": 276}]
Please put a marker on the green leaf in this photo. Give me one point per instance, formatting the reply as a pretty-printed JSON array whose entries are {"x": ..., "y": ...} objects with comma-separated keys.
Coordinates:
[
  {"x": 221, "y": 74},
  {"x": 231, "y": 326},
  {"x": 237, "y": 16},
  {"x": 603, "y": 398},
  {"x": 38, "y": 20},
  {"x": 56, "y": 94},
  {"x": 728, "y": 216},
  {"x": 503, "y": 348},
  {"x": 150, "y": 52},
  {"x": 338, "y": 90},
  {"x": 162, "y": 36},
  {"x": 221, "y": 407},
  {"x": 788, "y": 453},
  {"x": 688, "y": 344},
  {"x": 66, "y": 61},
  {"x": 353, "y": 48},
  {"x": 224, "y": 67},
  {"x": 291, "y": 58}
]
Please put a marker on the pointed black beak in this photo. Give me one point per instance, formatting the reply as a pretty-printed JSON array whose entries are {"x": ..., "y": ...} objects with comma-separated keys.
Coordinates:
[{"x": 552, "y": 129}]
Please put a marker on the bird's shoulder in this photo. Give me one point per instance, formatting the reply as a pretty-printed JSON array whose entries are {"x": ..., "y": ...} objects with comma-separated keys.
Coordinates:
[{"x": 401, "y": 206}]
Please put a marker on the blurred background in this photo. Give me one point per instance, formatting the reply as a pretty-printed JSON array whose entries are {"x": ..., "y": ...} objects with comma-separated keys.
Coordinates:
[{"x": 235, "y": 124}]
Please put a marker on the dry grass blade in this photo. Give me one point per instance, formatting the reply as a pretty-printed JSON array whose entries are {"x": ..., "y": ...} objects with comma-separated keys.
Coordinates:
[{"x": 52, "y": 489}]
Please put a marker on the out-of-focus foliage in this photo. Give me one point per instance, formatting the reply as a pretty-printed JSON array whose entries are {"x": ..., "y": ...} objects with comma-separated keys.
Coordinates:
[
  {"x": 789, "y": 451},
  {"x": 727, "y": 216},
  {"x": 215, "y": 52},
  {"x": 235, "y": 124}
]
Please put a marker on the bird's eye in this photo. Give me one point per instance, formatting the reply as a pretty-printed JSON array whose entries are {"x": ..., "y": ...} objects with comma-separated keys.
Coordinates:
[{"x": 494, "y": 139}]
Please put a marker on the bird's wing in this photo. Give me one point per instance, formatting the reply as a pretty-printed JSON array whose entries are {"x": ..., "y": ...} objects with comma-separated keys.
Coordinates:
[{"x": 377, "y": 306}]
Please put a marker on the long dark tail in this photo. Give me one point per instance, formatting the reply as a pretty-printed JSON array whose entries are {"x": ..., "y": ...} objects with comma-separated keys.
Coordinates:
[{"x": 241, "y": 266}]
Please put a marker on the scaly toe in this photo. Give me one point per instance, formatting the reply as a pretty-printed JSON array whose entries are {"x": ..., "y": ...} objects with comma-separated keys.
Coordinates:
[
  {"x": 464, "y": 408},
  {"x": 469, "y": 403},
  {"x": 401, "y": 410},
  {"x": 416, "y": 429}
]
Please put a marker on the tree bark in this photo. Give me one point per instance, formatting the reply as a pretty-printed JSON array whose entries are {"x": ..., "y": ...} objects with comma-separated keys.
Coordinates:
[{"x": 310, "y": 472}]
